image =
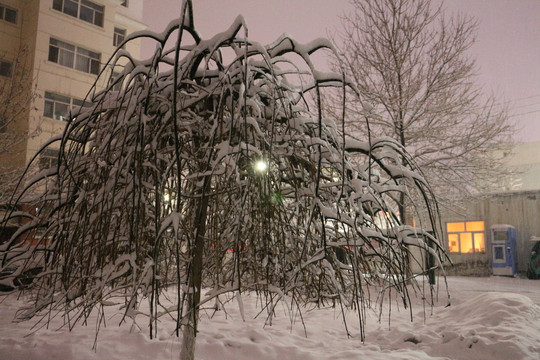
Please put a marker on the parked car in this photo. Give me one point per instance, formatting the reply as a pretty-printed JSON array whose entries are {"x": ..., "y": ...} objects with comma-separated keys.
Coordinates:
[
  {"x": 23, "y": 280},
  {"x": 533, "y": 269}
]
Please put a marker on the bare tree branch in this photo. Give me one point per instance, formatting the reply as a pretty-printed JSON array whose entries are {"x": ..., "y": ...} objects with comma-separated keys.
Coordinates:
[{"x": 411, "y": 64}]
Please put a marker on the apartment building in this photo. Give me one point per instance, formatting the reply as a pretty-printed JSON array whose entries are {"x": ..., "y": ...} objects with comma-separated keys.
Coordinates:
[{"x": 59, "y": 47}]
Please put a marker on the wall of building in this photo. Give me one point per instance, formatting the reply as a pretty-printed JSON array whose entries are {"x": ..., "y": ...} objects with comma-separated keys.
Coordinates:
[
  {"x": 58, "y": 79},
  {"x": 37, "y": 23},
  {"x": 519, "y": 208},
  {"x": 17, "y": 46},
  {"x": 525, "y": 161},
  {"x": 10, "y": 33}
]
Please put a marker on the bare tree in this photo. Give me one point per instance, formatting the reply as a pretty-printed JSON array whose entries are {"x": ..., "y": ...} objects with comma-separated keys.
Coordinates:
[
  {"x": 417, "y": 82},
  {"x": 17, "y": 95},
  {"x": 203, "y": 167}
]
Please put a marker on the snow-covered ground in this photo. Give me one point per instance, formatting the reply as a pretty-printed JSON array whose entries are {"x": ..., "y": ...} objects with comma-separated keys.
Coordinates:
[{"x": 489, "y": 318}]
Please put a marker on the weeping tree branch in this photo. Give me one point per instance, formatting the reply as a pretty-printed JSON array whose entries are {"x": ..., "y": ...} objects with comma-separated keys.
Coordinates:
[{"x": 157, "y": 189}]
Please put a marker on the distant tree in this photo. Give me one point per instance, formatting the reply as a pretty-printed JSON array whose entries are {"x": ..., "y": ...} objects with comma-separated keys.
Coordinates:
[
  {"x": 17, "y": 96},
  {"x": 417, "y": 83},
  {"x": 204, "y": 167}
]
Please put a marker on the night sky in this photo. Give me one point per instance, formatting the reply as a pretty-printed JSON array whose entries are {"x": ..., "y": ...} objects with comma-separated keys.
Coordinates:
[{"x": 507, "y": 48}]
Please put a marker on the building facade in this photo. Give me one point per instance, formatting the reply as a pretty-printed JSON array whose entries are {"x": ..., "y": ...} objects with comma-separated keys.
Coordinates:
[
  {"x": 65, "y": 45},
  {"x": 467, "y": 228}
]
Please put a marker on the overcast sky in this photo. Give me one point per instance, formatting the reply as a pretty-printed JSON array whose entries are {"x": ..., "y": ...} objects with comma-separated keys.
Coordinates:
[{"x": 507, "y": 48}]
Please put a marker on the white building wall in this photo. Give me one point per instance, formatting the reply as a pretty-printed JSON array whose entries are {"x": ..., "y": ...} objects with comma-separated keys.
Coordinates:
[
  {"x": 38, "y": 22},
  {"x": 526, "y": 161}
]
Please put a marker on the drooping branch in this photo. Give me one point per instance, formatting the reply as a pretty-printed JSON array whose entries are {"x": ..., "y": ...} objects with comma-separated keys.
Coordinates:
[{"x": 157, "y": 187}]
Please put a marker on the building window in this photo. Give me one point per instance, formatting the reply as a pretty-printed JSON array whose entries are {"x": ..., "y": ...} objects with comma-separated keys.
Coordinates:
[
  {"x": 119, "y": 36},
  {"x": 48, "y": 159},
  {"x": 74, "y": 57},
  {"x": 8, "y": 14},
  {"x": 466, "y": 237},
  {"x": 59, "y": 107},
  {"x": 124, "y": 3},
  {"x": 83, "y": 9},
  {"x": 6, "y": 68}
]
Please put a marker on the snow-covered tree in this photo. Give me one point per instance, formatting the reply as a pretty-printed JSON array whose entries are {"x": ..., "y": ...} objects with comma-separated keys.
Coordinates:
[
  {"x": 206, "y": 167},
  {"x": 416, "y": 78}
]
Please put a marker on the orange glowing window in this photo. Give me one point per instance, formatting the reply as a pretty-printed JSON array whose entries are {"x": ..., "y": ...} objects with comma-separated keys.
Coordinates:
[
  {"x": 453, "y": 242},
  {"x": 479, "y": 242},
  {"x": 455, "y": 227},
  {"x": 466, "y": 242},
  {"x": 475, "y": 225},
  {"x": 466, "y": 237}
]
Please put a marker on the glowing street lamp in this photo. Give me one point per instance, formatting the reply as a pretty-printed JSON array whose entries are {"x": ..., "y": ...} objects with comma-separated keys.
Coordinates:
[{"x": 261, "y": 166}]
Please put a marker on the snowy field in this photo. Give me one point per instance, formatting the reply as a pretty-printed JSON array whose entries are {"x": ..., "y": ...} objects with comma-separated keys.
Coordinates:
[{"x": 489, "y": 318}]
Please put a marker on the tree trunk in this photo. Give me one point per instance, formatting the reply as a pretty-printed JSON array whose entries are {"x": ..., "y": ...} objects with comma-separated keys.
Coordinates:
[
  {"x": 187, "y": 351},
  {"x": 189, "y": 336}
]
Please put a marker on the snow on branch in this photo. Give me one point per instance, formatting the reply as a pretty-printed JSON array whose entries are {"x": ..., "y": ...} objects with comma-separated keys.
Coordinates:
[{"x": 157, "y": 186}]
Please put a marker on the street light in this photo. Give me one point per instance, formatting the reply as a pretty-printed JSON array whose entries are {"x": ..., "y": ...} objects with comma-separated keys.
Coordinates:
[{"x": 260, "y": 166}]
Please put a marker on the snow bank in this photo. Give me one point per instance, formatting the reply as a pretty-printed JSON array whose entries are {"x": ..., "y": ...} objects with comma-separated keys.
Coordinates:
[
  {"x": 478, "y": 325},
  {"x": 487, "y": 326}
]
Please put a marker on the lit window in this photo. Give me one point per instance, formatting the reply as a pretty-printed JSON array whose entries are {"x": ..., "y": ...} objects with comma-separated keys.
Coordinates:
[
  {"x": 59, "y": 107},
  {"x": 8, "y": 14},
  {"x": 479, "y": 242},
  {"x": 119, "y": 36},
  {"x": 453, "y": 242},
  {"x": 5, "y": 68},
  {"x": 455, "y": 227},
  {"x": 83, "y": 9},
  {"x": 466, "y": 242},
  {"x": 74, "y": 57},
  {"x": 474, "y": 226},
  {"x": 466, "y": 237}
]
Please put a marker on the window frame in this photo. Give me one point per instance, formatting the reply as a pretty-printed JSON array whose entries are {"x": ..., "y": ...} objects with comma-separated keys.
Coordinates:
[
  {"x": 53, "y": 100},
  {"x": 3, "y": 14},
  {"x": 119, "y": 35},
  {"x": 74, "y": 57},
  {"x": 4, "y": 64},
  {"x": 86, "y": 10},
  {"x": 466, "y": 235}
]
